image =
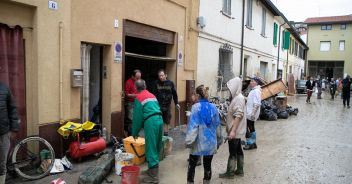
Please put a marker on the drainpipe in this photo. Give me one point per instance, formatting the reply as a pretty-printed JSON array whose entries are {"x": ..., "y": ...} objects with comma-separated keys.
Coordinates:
[
  {"x": 61, "y": 25},
  {"x": 278, "y": 52},
  {"x": 242, "y": 39}
]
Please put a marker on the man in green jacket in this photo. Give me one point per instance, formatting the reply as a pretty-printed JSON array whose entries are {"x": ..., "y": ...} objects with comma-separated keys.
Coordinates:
[{"x": 147, "y": 115}]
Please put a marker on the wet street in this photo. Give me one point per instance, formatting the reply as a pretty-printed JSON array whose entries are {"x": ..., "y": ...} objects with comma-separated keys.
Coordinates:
[{"x": 313, "y": 147}]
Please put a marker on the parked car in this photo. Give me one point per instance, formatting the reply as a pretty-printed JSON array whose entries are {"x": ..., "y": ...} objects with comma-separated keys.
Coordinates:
[{"x": 301, "y": 86}]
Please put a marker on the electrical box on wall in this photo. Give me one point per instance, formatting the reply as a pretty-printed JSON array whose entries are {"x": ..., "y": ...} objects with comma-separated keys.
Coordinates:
[{"x": 76, "y": 77}]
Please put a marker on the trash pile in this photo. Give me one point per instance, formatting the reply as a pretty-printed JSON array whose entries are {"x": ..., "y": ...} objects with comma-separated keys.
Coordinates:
[{"x": 271, "y": 112}]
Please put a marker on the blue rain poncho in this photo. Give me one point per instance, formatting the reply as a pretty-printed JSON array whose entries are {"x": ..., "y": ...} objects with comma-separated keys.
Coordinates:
[{"x": 203, "y": 129}]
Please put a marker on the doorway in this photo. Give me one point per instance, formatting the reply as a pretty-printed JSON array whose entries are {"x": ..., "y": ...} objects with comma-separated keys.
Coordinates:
[{"x": 91, "y": 93}]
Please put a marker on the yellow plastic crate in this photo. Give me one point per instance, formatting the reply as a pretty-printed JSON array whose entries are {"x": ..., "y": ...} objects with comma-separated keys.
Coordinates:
[{"x": 136, "y": 147}]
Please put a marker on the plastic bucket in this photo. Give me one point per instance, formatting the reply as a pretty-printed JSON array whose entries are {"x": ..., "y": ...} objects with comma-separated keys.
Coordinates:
[
  {"x": 121, "y": 160},
  {"x": 130, "y": 175}
]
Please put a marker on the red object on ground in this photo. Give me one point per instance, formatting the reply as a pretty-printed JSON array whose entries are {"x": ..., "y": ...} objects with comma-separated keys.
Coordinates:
[
  {"x": 130, "y": 175},
  {"x": 78, "y": 149}
]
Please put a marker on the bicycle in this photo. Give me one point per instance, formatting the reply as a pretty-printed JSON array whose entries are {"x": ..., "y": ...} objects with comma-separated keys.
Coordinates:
[{"x": 31, "y": 158}]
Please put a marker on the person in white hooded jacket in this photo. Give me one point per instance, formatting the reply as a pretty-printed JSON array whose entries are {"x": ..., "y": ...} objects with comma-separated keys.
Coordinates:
[
  {"x": 236, "y": 129},
  {"x": 253, "y": 111}
]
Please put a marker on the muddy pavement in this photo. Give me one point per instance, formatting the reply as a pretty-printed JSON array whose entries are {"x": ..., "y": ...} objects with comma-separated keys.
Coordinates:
[{"x": 313, "y": 147}]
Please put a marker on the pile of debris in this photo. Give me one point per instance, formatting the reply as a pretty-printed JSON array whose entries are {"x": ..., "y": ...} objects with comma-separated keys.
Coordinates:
[{"x": 273, "y": 109}]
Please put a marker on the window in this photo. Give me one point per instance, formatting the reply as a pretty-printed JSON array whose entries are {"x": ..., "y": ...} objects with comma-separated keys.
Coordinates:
[
  {"x": 342, "y": 45},
  {"x": 226, "y": 8},
  {"x": 249, "y": 13},
  {"x": 275, "y": 35},
  {"x": 325, "y": 45},
  {"x": 285, "y": 39},
  {"x": 326, "y": 27},
  {"x": 263, "y": 21},
  {"x": 343, "y": 26},
  {"x": 296, "y": 48},
  {"x": 225, "y": 65}
]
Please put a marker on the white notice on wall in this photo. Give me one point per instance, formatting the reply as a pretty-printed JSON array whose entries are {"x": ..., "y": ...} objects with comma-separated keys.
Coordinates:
[{"x": 53, "y": 5}]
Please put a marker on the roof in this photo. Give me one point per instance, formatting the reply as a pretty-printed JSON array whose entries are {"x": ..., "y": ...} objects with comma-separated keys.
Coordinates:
[{"x": 331, "y": 19}]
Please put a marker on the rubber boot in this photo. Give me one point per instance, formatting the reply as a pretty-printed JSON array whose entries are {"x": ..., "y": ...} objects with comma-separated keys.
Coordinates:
[
  {"x": 240, "y": 162},
  {"x": 251, "y": 142},
  {"x": 206, "y": 181},
  {"x": 153, "y": 176},
  {"x": 2, "y": 179},
  {"x": 230, "y": 171}
]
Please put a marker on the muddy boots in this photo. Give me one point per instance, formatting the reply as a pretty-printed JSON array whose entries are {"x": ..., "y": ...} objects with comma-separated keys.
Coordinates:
[
  {"x": 152, "y": 175},
  {"x": 251, "y": 142},
  {"x": 230, "y": 171},
  {"x": 240, "y": 162}
]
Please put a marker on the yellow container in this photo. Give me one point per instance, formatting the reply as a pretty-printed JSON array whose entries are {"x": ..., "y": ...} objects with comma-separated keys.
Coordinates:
[{"x": 135, "y": 147}]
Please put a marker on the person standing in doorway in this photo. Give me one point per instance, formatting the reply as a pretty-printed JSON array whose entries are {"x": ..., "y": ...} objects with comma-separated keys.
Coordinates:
[
  {"x": 235, "y": 128},
  {"x": 130, "y": 92},
  {"x": 346, "y": 91},
  {"x": 332, "y": 88},
  {"x": 202, "y": 136},
  {"x": 309, "y": 85},
  {"x": 253, "y": 110},
  {"x": 147, "y": 115},
  {"x": 9, "y": 125},
  {"x": 165, "y": 91}
]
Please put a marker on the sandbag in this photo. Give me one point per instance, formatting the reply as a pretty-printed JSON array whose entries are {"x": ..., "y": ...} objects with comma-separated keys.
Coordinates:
[{"x": 96, "y": 174}]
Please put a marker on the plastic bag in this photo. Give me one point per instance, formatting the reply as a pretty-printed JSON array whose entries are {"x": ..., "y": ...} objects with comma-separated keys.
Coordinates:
[{"x": 57, "y": 167}]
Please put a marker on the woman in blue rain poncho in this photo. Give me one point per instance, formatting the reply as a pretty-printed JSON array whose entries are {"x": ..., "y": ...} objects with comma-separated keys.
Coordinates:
[{"x": 203, "y": 132}]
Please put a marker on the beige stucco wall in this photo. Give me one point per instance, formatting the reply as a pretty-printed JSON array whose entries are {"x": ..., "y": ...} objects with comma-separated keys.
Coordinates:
[
  {"x": 315, "y": 35},
  {"x": 90, "y": 21}
]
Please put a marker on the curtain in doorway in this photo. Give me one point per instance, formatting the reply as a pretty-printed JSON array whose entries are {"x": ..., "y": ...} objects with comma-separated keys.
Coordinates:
[
  {"x": 85, "y": 62},
  {"x": 12, "y": 68}
]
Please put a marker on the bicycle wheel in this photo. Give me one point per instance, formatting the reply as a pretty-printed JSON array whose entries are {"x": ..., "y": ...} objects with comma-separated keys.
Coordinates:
[{"x": 33, "y": 158}]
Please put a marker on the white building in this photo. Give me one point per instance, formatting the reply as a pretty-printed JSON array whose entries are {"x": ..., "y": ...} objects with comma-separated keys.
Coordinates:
[{"x": 220, "y": 41}]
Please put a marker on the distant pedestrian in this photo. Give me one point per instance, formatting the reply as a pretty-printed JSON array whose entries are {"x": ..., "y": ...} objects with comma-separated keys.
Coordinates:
[
  {"x": 202, "y": 136},
  {"x": 310, "y": 85},
  {"x": 319, "y": 87},
  {"x": 236, "y": 129},
  {"x": 131, "y": 93},
  {"x": 346, "y": 91},
  {"x": 165, "y": 91},
  {"x": 339, "y": 86},
  {"x": 147, "y": 115},
  {"x": 9, "y": 123},
  {"x": 332, "y": 88}
]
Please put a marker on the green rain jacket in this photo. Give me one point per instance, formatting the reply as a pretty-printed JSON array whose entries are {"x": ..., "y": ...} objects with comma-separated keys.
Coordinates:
[{"x": 147, "y": 115}]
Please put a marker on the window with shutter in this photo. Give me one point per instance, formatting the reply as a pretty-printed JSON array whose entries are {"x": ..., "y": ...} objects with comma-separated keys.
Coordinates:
[{"x": 275, "y": 34}]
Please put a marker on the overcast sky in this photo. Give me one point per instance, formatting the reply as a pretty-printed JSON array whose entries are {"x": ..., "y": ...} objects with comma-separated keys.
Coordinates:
[{"x": 299, "y": 10}]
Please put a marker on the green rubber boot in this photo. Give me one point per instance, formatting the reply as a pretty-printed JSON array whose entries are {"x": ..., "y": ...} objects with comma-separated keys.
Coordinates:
[
  {"x": 230, "y": 171},
  {"x": 240, "y": 162}
]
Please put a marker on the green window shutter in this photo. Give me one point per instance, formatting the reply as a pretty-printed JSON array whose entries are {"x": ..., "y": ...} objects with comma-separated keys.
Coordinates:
[
  {"x": 275, "y": 34},
  {"x": 287, "y": 40}
]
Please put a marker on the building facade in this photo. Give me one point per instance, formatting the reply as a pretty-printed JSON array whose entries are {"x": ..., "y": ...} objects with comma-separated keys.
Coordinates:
[
  {"x": 329, "y": 40},
  {"x": 77, "y": 55},
  {"x": 224, "y": 52}
]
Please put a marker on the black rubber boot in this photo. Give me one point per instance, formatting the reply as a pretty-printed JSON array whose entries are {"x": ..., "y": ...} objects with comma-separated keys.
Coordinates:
[
  {"x": 240, "y": 162},
  {"x": 230, "y": 171},
  {"x": 153, "y": 176}
]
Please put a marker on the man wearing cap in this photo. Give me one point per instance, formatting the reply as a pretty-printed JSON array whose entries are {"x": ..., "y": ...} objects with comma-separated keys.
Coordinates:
[{"x": 253, "y": 110}]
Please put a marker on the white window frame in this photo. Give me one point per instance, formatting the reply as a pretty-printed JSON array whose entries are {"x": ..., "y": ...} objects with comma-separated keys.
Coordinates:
[
  {"x": 342, "y": 45},
  {"x": 325, "y": 48},
  {"x": 263, "y": 21},
  {"x": 249, "y": 20},
  {"x": 226, "y": 7}
]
